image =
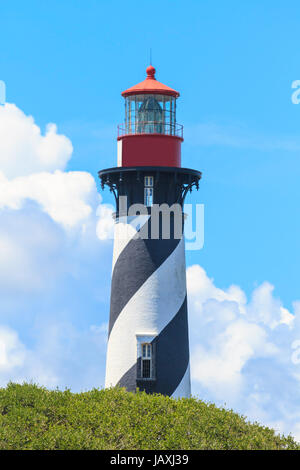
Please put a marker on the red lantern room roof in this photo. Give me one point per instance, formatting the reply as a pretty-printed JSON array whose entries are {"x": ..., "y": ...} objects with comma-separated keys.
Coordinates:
[{"x": 150, "y": 85}]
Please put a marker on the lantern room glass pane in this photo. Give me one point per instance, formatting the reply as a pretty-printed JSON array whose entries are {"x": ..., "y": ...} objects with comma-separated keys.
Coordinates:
[{"x": 150, "y": 114}]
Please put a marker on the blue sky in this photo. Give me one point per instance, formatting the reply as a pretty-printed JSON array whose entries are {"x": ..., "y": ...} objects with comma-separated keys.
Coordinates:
[{"x": 234, "y": 64}]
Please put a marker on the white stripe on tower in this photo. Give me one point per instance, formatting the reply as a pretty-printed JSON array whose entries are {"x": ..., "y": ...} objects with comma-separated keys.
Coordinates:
[
  {"x": 153, "y": 304},
  {"x": 125, "y": 229}
]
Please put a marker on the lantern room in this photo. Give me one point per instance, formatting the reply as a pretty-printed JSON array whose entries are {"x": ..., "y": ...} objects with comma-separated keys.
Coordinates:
[
  {"x": 150, "y": 135},
  {"x": 150, "y": 114}
]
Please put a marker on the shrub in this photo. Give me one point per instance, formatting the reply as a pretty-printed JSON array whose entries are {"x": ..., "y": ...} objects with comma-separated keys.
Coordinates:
[{"x": 33, "y": 417}]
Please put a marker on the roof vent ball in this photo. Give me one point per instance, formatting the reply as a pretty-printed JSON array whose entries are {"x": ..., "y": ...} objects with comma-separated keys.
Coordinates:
[
  {"x": 151, "y": 72},
  {"x": 150, "y": 86}
]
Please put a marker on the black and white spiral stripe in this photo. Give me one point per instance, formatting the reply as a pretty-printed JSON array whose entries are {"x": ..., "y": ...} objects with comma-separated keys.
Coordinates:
[{"x": 148, "y": 297}]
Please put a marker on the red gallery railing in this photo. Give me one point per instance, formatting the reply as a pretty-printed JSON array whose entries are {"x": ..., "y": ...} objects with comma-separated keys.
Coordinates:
[{"x": 150, "y": 127}]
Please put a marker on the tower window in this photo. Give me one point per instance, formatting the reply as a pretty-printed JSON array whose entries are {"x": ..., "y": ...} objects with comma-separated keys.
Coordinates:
[
  {"x": 148, "y": 197},
  {"x": 148, "y": 181},
  {"x": 148, "y": 190},
  {"x": 146, "y": 360}
]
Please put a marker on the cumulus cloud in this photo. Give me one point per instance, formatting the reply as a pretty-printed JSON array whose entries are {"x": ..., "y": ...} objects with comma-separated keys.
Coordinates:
[
  {"x": 53, "y": 267},
  {"x": 12, "y": 351},
  {"x": 66, "y": 196},
  {"x": 32, "y": 168},
  {"x": 202, "y": 289},
  {"x": 226, "y": 336},
  {"x": 244, "y": 351},
  {"x": 219, "y": 366},
  {"x": 38, "y": 198},
  {"x": 23, "y": 148},
  {"x": 105, "y": 225}
]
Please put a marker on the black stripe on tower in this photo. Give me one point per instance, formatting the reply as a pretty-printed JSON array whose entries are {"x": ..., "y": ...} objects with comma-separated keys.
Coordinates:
[{"x": 137, "y": 262}]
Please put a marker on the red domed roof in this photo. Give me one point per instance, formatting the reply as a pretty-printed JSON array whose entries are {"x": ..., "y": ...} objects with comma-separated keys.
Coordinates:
[{"x": 150, "y": 85}]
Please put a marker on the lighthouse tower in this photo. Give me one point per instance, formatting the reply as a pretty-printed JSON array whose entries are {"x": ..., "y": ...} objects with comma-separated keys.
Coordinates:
[{"x": 148, "y": 345}]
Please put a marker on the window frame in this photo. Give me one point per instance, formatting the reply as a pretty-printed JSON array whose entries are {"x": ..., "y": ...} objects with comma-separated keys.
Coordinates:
[
  {"x": 148, "y": 191},
  {"x": 147, "y": 357},
  {"x": 146, "y": 338},
  {"x": 148, "y": 197}
]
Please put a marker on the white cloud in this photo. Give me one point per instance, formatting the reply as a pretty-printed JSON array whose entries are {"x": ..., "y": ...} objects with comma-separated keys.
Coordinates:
[
  {"x": 52, "y": 265},
  {"x": 66, "y": 196},
  {"x": 12, "y": 351},
  {"x": 219, "y": 366},
  {"x": 105, "y": 225},
  {"x": 225, "y": 335},
  {"x": 23, "y": 148},
  {"x": 31, "y": 168},
  {"x": 201, "y": 288},
  {"x": 242, "y": 350}
]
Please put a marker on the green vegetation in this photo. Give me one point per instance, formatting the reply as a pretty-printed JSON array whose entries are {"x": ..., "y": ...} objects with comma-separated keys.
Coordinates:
[{"x": 32, "y": 417}]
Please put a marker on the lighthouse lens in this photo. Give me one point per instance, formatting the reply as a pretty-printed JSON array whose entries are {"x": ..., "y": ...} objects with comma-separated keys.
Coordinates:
[{"x": 150, "y": 117}]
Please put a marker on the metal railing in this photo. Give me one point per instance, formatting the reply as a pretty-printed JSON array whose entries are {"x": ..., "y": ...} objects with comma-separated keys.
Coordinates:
[{"x": 150, "y": 127}]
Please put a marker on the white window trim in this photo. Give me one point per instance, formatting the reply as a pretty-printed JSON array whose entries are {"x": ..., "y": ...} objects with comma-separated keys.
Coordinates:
[{"x": 142, "y": 339}]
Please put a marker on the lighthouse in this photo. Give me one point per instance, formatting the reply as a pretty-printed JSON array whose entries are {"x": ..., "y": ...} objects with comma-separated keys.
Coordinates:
[{"x": 148, "y": 340}]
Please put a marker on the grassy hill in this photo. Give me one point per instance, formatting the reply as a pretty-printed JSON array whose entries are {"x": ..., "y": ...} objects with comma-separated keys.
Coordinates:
[{"x": 32, "y": 417}]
